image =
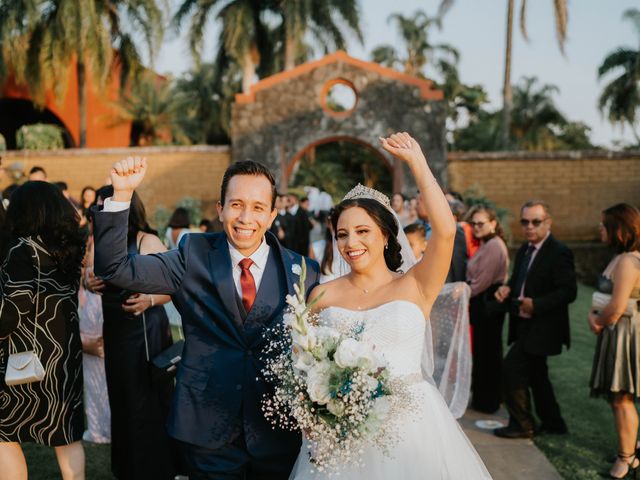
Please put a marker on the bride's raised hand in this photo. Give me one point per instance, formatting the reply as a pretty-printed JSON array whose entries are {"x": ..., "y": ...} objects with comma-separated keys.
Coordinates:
[{"x": 404, "y": 147}]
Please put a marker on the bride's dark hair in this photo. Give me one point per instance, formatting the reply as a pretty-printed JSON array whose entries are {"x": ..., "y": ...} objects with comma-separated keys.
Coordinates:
[{"x": 383, "y": 218}]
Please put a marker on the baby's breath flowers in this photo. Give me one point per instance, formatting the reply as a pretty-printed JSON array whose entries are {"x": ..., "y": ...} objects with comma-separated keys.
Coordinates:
[{"x": 331, "y": 385}]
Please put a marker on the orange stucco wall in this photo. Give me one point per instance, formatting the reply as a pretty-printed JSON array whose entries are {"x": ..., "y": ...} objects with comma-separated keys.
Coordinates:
[{"x": 100, "y": 110}]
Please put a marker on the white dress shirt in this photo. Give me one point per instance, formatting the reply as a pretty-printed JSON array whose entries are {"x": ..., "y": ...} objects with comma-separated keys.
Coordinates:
[{"x": 259, "y": 257}]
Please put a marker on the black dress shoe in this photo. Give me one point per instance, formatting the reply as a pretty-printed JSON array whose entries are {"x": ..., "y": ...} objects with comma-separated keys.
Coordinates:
[{"x": 512, "y": 432}]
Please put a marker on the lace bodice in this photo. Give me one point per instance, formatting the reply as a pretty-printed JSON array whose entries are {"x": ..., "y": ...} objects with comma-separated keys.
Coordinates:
[{"x": 396, "y": 328}]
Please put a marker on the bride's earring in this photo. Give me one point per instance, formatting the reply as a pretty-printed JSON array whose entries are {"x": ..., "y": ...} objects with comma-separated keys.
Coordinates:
[{"x": 386, "y": 246}]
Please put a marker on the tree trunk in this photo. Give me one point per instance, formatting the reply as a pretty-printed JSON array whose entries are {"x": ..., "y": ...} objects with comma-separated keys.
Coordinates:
[
  {"x": 82, "y": 101},
  {"x": 289, "y": 52},
  {"x": 507, "y": 94},
  {"x": 248, "y": 72}
]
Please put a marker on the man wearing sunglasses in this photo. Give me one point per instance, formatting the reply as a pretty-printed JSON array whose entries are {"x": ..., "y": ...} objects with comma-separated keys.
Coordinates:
[{"x": 542, "y": 286}]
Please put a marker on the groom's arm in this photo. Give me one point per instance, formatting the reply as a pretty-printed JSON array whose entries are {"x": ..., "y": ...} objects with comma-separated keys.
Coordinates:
[{"x": 159, "y": 273}]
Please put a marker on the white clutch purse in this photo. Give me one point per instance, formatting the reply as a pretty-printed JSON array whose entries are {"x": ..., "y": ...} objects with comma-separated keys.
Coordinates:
[
  {"x": 600, "y": 300},
  {"x": 23, "y": 367}
]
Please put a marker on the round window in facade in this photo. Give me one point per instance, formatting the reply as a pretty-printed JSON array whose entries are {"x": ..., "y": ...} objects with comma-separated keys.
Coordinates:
[{"x": 339, "y": 97}]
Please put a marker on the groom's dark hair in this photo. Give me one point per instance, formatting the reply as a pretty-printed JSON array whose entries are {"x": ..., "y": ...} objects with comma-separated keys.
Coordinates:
[{"x": 247, "y": 167}]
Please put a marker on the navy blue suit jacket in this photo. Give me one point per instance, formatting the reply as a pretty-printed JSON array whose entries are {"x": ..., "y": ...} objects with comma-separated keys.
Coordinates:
[{"x": 219, "y": 382}]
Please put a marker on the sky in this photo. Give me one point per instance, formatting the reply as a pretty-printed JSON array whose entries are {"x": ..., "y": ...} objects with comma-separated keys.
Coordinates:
[{"x": 477, "y": 29}]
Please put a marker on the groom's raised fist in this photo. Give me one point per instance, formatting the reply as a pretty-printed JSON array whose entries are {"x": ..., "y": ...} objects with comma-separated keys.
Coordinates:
[{"x": 126, "y": 175}]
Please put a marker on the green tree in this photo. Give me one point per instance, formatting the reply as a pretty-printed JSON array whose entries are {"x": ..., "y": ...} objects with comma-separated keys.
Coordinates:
[
  {"x": 152, "y": 107},
  {"x": 206, "y": 97},
  {"x": 536, "y": 124},
  {"x": 561, "y": 21},
  {"x": 40, "y": 39},
  {"x": 620, "y": 98},
  {"x": 419, "y": 51},
  {"x": 243, "y": 35},
  {"x": 535, "y": 119},
  {"x": 320, "y": 19}
]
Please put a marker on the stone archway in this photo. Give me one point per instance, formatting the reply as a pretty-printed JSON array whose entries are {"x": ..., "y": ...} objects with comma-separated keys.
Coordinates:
[
  {"x": 293, "y": 162},
  {"x": 285, "y": 113}
]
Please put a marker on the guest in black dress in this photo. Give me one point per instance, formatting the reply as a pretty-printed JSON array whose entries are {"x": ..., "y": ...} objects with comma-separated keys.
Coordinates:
[
  {"x": 140, "y": 446},
  {"x": 42, "y": 240},
  {"x": 486, "y": 271}
]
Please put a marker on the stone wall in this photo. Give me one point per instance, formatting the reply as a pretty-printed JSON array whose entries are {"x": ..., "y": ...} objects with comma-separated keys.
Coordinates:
[
  {"x": 278, "y": 122},
  {"x": 174, "y": 172},
  {"x": 577, "y": 185}
]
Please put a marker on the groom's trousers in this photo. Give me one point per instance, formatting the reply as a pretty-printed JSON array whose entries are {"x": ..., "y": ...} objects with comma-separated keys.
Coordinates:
[{"x": 234, "y": 461}]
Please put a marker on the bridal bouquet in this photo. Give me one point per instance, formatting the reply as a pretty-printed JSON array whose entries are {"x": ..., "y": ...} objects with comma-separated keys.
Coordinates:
[{"x": 332, "y": 385}]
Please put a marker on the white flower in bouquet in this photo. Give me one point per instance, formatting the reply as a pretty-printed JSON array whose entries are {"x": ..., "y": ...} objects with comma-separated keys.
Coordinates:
[
  {"x": 306, "y": 341},
  {"x": 352, "y": 353},
  {"x": 302, "y": 360},
  {"x": 336, "y": 407}
]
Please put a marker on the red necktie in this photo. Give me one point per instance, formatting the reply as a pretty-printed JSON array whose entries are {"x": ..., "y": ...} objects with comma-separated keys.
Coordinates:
[{"x": 248, "y": 284}]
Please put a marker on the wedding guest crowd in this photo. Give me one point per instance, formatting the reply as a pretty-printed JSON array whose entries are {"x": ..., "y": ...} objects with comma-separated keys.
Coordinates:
[{"x": 107, "y": 336}]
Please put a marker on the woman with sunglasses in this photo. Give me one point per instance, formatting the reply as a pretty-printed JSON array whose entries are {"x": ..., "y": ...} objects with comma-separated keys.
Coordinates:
[
  {"x": 486, "y": 271},
  {"x": 615, "y": 374}
]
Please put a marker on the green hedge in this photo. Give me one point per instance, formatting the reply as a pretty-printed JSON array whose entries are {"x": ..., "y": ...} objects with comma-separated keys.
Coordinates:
[{"x": 39, "y": 136}]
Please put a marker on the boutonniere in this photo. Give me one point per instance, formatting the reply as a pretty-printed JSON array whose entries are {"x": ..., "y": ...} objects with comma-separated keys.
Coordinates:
[{"x": 296, "y": 269}]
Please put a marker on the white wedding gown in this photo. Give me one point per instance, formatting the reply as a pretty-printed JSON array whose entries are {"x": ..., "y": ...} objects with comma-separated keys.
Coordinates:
[{"x": 432, "y": 445}]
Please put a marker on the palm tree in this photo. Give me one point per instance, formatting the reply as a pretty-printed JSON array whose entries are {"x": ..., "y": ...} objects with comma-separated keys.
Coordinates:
[
  {"x": 561, "y": 22},
  {"x": 51, "y": 34},
  {"x": 419, "y": 51},
  {"x": 620, "y": 98},
  {"x": 206, "y": 97},
  {"x": 535, "y": 119},
  {"x": 300, "y": 17},
  {"x": 152, "y": 107},
  {"x": 242, "y": 37}
]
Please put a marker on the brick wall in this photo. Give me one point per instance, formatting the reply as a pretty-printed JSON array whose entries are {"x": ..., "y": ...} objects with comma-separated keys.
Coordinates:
[
  {"x": 174, "y": 172},
  {"x": 577, "y": 185}
]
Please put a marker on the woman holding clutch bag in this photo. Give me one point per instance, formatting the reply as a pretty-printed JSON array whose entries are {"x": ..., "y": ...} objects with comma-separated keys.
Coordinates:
[
  {"x": 42, "y": 252},
  {"x": 615, "y": 319}
]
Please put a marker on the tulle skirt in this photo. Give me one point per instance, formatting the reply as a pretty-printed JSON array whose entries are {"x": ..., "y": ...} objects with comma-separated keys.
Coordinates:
[{"x": 432, "y": 446}]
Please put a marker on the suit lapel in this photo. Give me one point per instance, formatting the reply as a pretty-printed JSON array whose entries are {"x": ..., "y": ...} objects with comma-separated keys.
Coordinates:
[{"x": 221, "y": 275}]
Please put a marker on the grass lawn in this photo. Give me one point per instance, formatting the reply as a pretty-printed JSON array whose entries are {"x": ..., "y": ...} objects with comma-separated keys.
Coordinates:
[
  {"x": 580, "y": 455},
  {"x": 585, "y": 451},
  {"x": 42, "y": 464}
]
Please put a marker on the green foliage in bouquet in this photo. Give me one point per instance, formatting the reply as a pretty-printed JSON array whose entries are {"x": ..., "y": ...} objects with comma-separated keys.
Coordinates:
[
  {"x": 39, "y": 136},
  {"x": 3, "y": 144}
]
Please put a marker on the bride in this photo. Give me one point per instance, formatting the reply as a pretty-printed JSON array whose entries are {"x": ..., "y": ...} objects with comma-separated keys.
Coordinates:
[{"x": 393, "y": 307}]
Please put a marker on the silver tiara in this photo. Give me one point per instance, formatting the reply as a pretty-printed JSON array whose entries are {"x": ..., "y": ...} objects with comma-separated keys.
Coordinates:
[{"x": 360, "y": 191}]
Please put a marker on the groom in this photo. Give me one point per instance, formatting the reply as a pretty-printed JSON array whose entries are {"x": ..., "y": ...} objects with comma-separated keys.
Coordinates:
[{"x": 229, "y": 287}]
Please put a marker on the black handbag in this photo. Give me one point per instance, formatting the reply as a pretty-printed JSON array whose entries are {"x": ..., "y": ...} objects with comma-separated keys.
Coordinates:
[{"x": 165, "y": 364}]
